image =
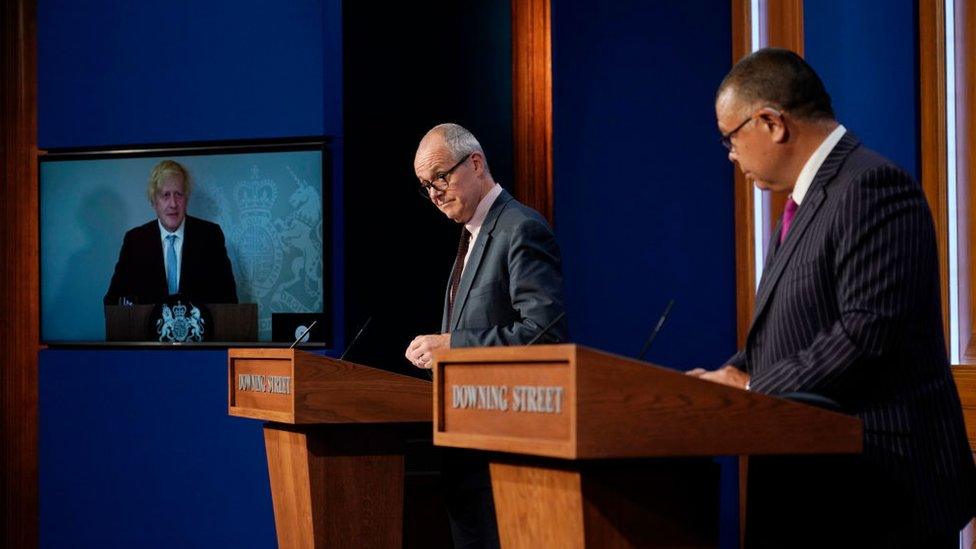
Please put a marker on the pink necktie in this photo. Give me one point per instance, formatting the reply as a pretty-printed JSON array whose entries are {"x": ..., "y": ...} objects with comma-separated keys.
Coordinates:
[{"x": 788, "y": 214}]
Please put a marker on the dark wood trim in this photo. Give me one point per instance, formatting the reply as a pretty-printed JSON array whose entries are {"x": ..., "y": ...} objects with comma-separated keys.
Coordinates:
[
  {"x": 532, "y": 104},
  {"x": 19, "y": 277},
  {"x": 965, "y": 377},
  {"x": 932, "y": 138},
  {"x": 784, "y": 29},
  {"x": 965, "y": 32},
  {"x": 745, "y": 250}
]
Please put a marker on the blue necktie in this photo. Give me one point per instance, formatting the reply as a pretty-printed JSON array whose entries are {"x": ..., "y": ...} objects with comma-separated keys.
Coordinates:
[{"x": 172, "y": 273}]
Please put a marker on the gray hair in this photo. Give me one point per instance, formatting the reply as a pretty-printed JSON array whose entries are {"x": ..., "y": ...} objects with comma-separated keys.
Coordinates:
[{"x": 458, "y": 140}]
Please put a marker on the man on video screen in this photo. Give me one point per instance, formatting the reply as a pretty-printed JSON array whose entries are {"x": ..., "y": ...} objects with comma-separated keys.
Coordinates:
[{"x": 174, "y": 253}]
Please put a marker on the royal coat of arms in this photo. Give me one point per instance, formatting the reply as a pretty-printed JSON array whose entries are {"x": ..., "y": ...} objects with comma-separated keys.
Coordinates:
[{"x": 175, "y": 326}]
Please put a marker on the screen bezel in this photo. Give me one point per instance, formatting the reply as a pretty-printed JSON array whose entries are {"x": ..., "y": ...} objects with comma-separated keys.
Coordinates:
[{"x": 319, "y": 144}]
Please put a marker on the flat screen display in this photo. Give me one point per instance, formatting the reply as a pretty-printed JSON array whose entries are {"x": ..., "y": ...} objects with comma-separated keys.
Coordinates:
[{"x": 268, "y": 201}]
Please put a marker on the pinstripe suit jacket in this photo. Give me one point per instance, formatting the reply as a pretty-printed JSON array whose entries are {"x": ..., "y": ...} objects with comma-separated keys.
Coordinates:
[{"x": 849, "y": 307}]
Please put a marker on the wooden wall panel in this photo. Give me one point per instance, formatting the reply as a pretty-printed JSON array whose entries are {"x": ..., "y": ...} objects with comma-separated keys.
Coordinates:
[
  {"x": 745, "y": 249},
  {"x": 19, "y": 335},
  {"x": 932, "y": 113},
  {"x": 532, "y": 104},
  {"x": 781, "y": 25},
  {"x": 784, "y": 29}
]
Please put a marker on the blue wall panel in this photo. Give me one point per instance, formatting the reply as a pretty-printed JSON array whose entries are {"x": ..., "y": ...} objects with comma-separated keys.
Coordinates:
[
  {"x": 866, "y": 54},
  {"x": 137, "y": 450},
  {"x": 159, "y": 71},
  {"x": 643, "y": 195}
]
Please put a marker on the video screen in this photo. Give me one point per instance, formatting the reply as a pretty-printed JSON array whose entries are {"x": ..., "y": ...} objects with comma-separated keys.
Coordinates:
[{"x": 268, "y": 202}]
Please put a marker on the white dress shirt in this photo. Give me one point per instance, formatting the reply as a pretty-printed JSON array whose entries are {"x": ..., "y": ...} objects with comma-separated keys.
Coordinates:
[
  {"x": 478, "y": 219},
  {"x": 813, "y": 164}
]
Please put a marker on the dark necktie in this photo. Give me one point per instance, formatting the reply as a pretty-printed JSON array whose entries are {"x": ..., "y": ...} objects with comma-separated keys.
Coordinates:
[
  {"x": 788, "y": 212},
  {"x": 458, "y": 267}
]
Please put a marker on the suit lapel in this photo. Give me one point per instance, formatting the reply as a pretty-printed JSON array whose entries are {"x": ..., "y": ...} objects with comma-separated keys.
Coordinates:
[
  {"x": 187, "y": 253},
  {"x": 156, "y": 272},
  {"x": 446, "y": 322},
  {"x": 477, "y": 253},
  {"x": 778, "y": 259},
  {"x": 773, "y": 246}
]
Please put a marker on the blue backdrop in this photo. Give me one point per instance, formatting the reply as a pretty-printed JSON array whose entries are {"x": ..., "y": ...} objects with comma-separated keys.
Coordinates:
[
  {"x": 159, "y": 71},
  {"x": 137, "y": 450},
  {"x": 643, "y": 189},
  {"x": 866, "y": 54}
]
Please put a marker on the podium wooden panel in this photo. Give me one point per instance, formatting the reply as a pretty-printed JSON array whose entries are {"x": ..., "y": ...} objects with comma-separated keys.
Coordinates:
[
  {"x": 334, "y": 443},
  {"x": 586, "y": 444}
]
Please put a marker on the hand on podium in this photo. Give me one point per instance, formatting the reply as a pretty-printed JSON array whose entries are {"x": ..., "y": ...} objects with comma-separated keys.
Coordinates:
[
  {"x": 420, "y": 349},
  {"x": 726, "y": 375}
]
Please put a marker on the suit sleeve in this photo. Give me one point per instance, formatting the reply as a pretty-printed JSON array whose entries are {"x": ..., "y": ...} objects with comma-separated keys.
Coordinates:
[
  {"x": 121, "y": 284},
  {"x": 738, "y": 360},
  {"x": 884, "y": 265},
  {"x": 535, "y": 291}
]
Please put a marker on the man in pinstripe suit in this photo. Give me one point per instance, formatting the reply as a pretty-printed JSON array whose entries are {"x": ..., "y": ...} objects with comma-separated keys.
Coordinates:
[{"x": 848, "y": 308}]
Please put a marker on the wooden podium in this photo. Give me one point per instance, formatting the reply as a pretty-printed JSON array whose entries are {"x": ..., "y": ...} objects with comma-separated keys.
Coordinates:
[
  {"x": 586, "y": 443},
  {"x": 334, "y": 443}
]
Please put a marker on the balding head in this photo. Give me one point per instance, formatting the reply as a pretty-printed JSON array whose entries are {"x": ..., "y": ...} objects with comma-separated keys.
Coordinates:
[
  {"x": 458, "y": 141},
  {"x": 451, "y": 165}
]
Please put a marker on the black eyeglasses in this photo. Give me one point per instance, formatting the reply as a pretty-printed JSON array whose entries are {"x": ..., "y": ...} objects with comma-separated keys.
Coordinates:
[
  {"x": 440, "y": 182},
  {"x": 726, "y": 139}
]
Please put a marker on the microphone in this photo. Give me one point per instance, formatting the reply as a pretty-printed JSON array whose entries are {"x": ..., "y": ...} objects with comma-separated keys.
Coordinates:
[
  {"x": 355, "y": 339},
  {"x": 660, "y": 323},
  {"x": 305, "y": 333},
  {"x": 547, "y": 328}
]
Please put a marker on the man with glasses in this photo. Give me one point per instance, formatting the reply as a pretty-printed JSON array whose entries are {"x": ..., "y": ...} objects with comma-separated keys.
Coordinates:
[
  {"x": 848, "y": 308},
  {"x": 504, "y": 289}
]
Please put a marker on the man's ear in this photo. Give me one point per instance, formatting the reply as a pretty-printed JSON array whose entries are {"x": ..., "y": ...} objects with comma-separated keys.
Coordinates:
[
  {"x": 775, "y": 124},
  {"x": 477, "y": 162}
]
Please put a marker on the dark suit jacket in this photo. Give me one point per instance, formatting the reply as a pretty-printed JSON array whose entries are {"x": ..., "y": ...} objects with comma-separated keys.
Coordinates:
[
  {"x": 511, "y": 289},
  {"x": 849, "y": 307},
  {"x": 205, "y": 275},
  {"x": 512, "y": 286}
]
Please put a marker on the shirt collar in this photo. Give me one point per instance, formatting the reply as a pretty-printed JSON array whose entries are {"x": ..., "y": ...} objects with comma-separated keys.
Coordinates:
[
  {"x": 813, "y": 164},
  {"x": 163, "y": 233},
  {"x": 481, "y": 212}
]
